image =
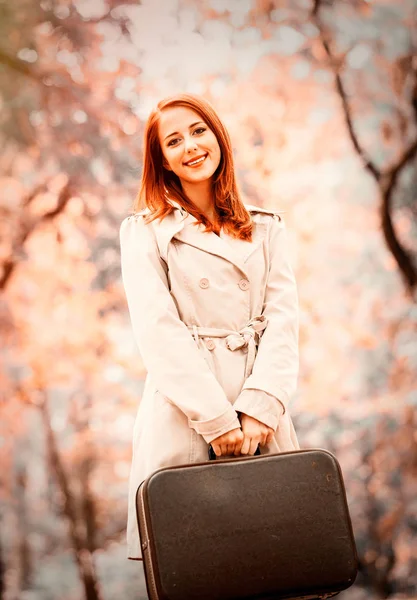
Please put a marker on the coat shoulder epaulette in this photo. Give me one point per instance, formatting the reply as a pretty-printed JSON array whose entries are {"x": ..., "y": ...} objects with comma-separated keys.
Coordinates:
[
  {"x": 266, "y": 211},
  {"x": 139, "y": 213}
]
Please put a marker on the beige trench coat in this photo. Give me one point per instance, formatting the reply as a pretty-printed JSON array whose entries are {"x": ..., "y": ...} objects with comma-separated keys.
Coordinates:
[{"x": 216, "y": 323}]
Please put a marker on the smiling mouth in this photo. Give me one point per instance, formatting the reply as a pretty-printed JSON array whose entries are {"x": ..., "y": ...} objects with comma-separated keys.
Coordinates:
[{"x": 196, "y": 161}]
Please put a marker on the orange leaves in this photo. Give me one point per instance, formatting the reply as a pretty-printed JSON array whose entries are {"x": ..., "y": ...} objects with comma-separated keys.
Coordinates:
[
  {"x": 367, "y": 341},
  {"x": 64, "y": 319},
  {"x": 389, "y": 523}
]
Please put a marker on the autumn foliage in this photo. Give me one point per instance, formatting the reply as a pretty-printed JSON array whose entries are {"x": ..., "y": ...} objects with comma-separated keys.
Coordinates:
[{"x": 320, "y": 100}]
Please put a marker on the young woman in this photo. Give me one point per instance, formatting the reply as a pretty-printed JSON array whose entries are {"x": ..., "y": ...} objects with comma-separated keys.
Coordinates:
[{"x": 212, "y": 300}]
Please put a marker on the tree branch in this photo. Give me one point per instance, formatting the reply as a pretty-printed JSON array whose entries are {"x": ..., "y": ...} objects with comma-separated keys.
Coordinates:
[
  {"x": 386, "y": 179},
  {"x": 324, "y": 38},
  {"x": 83, "y": 556},
  {"x": 29, "y": 226},
  {"x": 387, "y": 185},
  {"x": 20, "y": 66}
]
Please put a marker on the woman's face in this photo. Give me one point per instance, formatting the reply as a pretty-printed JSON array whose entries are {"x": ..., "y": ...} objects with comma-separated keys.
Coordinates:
[{"x": 189, "y": 147}]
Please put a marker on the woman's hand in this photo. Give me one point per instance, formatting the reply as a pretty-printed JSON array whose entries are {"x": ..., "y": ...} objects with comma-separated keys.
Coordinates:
[
  {"x": 228, "y": 443},
  {"x": 254, "y": 433}
]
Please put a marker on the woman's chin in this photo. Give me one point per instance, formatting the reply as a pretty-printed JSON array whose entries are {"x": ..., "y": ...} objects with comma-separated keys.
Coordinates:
[{"x": 197, "y": 177}]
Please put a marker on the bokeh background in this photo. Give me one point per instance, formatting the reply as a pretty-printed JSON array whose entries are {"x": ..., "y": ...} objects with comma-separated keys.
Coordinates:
[{"x": 320, "y": 99}]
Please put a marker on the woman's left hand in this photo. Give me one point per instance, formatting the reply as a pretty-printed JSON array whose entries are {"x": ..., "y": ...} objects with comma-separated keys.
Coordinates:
[{"x": 254, "y": 433}]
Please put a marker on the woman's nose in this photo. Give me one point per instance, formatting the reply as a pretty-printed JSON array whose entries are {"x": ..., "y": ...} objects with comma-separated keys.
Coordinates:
[{"x": 190, "y": 144}]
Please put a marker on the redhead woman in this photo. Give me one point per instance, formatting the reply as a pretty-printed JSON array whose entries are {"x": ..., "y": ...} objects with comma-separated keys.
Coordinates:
[{"x": 212, "y": 300}]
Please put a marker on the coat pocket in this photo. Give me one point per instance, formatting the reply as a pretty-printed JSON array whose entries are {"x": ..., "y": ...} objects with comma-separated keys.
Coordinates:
[
  {"x": 161, "y": 402},
  {"x": 169, "y": 433}
]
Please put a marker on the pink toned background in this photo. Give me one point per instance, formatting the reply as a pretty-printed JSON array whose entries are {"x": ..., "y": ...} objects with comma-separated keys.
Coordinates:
[{"x": 320, "y": 99}]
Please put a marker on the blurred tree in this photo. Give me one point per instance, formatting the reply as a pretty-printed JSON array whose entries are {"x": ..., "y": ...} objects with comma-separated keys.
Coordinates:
[
  {"x": 404, "y": 83},
  {"x": 62, "y": 128},
  {"x": 76, "y": 80},
  {"x": 78, "y": 529}
]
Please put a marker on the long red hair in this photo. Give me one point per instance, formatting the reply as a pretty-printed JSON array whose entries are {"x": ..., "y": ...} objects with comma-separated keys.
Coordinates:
[{"x": 159, "y": 184}]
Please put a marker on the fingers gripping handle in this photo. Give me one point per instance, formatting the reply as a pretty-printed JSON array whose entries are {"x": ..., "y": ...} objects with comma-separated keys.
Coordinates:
[{"x": 212, "y": 454}]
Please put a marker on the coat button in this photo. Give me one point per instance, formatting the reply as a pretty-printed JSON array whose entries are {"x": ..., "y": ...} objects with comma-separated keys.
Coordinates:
[
  {"x": 210, "y": 344},
  {"x": 204, "y": 283},
  {"x": 244, "y": 284}
]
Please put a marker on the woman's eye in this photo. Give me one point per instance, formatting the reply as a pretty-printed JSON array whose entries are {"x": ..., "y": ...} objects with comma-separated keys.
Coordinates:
[{"x": 199, "y": 130}]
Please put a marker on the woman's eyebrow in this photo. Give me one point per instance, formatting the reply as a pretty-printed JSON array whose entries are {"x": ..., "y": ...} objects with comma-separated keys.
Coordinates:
[{"x": 177, "y": 133}]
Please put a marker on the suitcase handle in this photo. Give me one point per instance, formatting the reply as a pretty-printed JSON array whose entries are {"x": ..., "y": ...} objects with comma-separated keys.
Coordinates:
[{"x": 212, "y": 454}]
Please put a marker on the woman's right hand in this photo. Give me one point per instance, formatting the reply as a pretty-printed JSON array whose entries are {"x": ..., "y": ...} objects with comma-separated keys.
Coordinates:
[
  {"x": 255, "y": 433},
  {"x": 228, "y": 443}
]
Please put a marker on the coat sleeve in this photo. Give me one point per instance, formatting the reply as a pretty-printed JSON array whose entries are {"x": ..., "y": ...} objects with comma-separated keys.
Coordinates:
[
  {"x": 262, "y": 406},
  {"x": 167, "y": 348},
  {"x": 275, "y": 371}
]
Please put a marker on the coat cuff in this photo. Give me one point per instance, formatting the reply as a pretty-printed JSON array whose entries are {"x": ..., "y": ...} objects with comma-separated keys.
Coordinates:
[
  {"x": 213, "y": 428},
  {"x": 253, "y": 383},
  {"x": 260, "y": 405}
]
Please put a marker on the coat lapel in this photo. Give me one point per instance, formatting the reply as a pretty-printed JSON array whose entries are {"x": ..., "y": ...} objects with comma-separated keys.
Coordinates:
[
  {"x": 242, "y": 248},
  {"x": 180, "y": 225},
  {"x": 166, "y": 229},
  {"x": 234, "y": 250},
  {"x": 194, "y": 235}
]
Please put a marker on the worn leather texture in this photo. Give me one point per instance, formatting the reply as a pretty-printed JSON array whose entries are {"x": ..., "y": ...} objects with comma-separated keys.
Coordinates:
[{"x": 269, "y": 526}]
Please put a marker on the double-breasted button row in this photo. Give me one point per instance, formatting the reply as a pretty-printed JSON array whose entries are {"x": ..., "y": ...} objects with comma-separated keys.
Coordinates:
[{"x": 243, "y": 284}]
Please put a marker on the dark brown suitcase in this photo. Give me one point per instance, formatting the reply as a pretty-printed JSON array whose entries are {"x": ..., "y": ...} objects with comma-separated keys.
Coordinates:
[{"x": 266, "y": 527}]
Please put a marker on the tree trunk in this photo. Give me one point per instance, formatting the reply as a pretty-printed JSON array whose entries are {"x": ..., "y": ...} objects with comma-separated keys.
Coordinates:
[{"x": 83, "y": 556}]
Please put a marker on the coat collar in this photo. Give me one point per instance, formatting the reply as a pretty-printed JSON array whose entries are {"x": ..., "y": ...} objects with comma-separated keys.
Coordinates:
[{"x": 180, "y": 225}]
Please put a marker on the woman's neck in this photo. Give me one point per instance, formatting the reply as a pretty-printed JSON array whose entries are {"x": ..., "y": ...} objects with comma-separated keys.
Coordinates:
[{"x": 201, "y": 195}]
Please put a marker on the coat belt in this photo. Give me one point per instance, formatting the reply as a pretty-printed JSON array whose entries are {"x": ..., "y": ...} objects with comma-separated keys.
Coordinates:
[{"x": 248, "y": 336}]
